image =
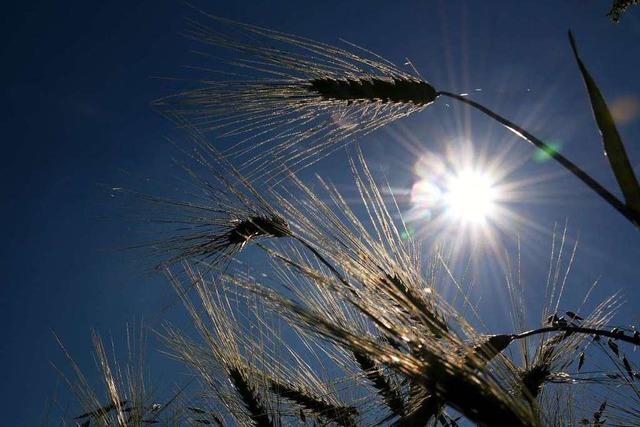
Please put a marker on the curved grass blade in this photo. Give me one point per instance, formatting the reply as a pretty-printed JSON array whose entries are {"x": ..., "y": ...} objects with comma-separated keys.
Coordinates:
[{"x": 613, "y": 145}]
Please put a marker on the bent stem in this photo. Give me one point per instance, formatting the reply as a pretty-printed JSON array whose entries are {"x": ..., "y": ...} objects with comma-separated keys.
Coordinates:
[
  {"x": 594, "y": 185},
  {"x": 635, "y": 340}
]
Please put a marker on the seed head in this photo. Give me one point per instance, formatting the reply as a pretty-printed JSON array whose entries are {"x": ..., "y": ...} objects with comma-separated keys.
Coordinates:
[
  {"x": 257, "y": 226},
  {"x": 376, "y": 89},
  {"x": 302, "y": 100}
]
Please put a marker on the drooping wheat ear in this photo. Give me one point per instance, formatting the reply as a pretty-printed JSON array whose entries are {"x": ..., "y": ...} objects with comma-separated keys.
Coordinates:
[
  {"x": 554, "y": 354},
  {"x": 319, "y": 407},
  {"x": 476, "y": 394},
  {"x": 219, "y": 240},
  {"x": 388, "y": 391},
  {"x": 250, "y": 398},
  {"x": 222, "y": 215},
  {"x": 299, "y": 100},
  {"x": 257, "y": 226}
]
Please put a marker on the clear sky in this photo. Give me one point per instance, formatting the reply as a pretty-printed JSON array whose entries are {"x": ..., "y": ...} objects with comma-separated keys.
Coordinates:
[{"x": 77, "y": 80}]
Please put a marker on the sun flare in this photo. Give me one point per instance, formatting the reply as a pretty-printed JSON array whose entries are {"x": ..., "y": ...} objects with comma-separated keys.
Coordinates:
[
  {"x": 470, "y": 196},
  {"x": 463, "y": 194}
]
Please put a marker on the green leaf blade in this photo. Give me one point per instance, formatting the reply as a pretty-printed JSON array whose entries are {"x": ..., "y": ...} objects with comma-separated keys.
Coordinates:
[{"x": 613, "y": 145}]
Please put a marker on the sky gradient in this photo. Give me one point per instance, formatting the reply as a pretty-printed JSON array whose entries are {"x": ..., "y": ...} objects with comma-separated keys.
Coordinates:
[{"x": 77, "y": 82}]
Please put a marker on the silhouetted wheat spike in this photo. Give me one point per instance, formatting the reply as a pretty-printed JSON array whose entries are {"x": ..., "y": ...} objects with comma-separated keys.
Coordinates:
[
  {"x": 219, "y": 239},
  {"x": 476, "y": 394},
  {"x": 619, "y": 7},
  {"x": 225, "y": 215},
  {"x": 388, "y": 391},
  {"x": 250, "y": 399},
  {"x": 309, "y": 97},
  {"x": 375, "y": 89},
  {"x": 341, "y": 415},
  {"x": 252, "y": 227},
  {"x": 534, "y": 377}
]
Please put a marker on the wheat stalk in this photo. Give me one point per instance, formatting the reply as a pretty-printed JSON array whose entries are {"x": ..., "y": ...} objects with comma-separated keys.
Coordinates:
[{"x": 345, "y": 283}]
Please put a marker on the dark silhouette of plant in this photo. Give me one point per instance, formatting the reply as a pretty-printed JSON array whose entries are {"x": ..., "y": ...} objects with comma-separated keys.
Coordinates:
[
  {"x": 619, "y": 8},
  {"x": 345, "y": 327}
]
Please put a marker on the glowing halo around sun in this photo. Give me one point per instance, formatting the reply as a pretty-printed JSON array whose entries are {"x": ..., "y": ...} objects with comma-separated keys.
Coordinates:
[
  {"x": 470, "y": 196},
  {"x": 467, "y": 196},
  {"x": 460, "y": 195},
  {"x": 467, "y": 200}
]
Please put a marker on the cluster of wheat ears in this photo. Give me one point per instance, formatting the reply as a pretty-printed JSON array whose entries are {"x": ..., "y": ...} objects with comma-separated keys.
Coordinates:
[{"x": 348, "y": 327}]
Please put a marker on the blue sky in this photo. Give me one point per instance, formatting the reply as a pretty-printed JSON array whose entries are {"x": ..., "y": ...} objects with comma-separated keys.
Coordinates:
[{"x": 77, "y": 81}]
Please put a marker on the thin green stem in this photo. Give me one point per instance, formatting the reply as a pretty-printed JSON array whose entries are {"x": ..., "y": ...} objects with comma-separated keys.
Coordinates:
[{"x": 616, "y": 203}]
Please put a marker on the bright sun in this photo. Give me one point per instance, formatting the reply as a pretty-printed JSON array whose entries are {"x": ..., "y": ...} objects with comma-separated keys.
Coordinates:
[
  {"x": 460, "y": 193},
  {"x": 470, "y": 196}
]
